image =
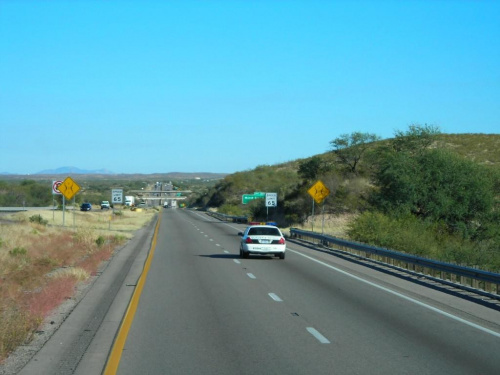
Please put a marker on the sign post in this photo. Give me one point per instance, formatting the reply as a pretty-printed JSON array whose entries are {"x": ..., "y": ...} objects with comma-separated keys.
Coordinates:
[
  {"x": 318, "y": 192},
  {"x": 271, "y": 201},
  {"x": 117, "y": 196},
  {"x": 68, "y": 189},
  {"x": 55, "y": 191}
]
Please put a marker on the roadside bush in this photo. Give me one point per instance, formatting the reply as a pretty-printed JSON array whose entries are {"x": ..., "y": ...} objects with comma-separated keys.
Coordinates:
[
  {"x": 18, "y": 252},
  {"x": 439, "y": 186},
  {"x": 100, "y": 241},
  {"x": 38, "y": 219},
  {"x": 424, "y": 238}
]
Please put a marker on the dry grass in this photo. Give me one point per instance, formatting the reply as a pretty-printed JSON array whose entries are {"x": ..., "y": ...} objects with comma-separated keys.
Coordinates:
[
  {"x": 333, "y": 225},
  {"x": 40, "y": 265}
]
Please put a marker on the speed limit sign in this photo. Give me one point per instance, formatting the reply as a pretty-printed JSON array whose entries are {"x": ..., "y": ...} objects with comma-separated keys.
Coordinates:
[
  {"x": 271, "y": 199},
  {"x": 117, "y": 195}
]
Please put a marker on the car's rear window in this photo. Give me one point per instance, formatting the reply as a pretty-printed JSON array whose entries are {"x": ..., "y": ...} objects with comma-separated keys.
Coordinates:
[{"x": 264, "y": 232}]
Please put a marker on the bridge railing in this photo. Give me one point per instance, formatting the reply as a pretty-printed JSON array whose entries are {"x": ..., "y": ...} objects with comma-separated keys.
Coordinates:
[{"x": 467, "y": 278}]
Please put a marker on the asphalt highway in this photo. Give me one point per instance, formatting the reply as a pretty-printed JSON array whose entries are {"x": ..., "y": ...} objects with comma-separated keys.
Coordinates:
[
  {"x": 201, "y": 309},
  {"x": 204, "y": 310}
]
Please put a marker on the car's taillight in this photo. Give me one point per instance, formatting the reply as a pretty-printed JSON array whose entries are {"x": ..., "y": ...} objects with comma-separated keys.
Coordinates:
[
  {"x": 248, "y": 240},
  {"x": 281, "y": 241}
]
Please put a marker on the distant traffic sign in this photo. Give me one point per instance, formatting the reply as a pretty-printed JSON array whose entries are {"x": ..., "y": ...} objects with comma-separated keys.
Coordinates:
[
  {"x": 318, "y": 192},
  {"x": 117, "y": 195},
  {"x": 69, "y": 188},
  {"x": 271, "y": 199},
  {"x": 55, "y": 187},
  {"x": 246, "y": 198},
  {"x": 259, "y": 194}
]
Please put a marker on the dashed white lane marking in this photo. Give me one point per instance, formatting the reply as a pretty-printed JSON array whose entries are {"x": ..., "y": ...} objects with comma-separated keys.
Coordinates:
[
  {"x": 322, "y": 339},
  {"x": 236, "y": 261},
  {"x": 225, "y": 251},
  {"x": 432, "y": 308},
  {"x": 275, "y": 297},
  {"x": 251, "y": 275}
]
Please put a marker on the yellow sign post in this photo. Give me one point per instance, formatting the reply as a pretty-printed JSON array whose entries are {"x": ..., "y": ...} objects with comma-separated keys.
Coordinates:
[
  {"x": 68, "y": 189},
  {"x": 318, "y": 192}
]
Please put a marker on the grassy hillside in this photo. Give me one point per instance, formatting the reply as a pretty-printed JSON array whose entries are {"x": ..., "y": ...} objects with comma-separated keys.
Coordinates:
[
  {"x": 285, "y": 180},
  {"x": 481, "y": 148}
]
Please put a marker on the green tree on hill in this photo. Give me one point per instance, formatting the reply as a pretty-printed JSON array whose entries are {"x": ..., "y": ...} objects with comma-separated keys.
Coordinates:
[{"x": 350, "y": 148}]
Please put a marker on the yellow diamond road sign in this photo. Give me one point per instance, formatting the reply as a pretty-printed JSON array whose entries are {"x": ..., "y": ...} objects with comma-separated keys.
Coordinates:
[
  {"x": 69, "y": 188},
  {"x": 319, "y": 192}
]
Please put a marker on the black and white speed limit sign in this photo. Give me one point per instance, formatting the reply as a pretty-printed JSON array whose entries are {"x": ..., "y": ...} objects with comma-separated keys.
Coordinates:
[
  {"x": 117, "y": 195},
  {"x": 271, "y": 199}
]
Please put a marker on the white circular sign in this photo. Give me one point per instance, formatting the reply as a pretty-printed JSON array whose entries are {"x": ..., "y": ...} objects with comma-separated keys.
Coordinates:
[{"x": 55, "y": 187}]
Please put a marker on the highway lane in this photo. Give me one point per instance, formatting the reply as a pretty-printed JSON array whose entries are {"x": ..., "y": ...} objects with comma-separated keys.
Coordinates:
[{"x": 205, "y": 310}]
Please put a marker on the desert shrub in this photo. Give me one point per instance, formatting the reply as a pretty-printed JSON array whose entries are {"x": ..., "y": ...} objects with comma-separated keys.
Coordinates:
[
  {"x": 18, "y": 252},
  {"x": 38, "y": 219},
  {"x": 100, "y": 241}
]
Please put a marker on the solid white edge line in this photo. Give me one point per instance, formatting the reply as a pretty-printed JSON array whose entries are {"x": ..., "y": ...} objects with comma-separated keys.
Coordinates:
[
  {"x": 275, "y": 297},
  {"x": 322, "y": 339},
  {"x": 432, "y": 308}
]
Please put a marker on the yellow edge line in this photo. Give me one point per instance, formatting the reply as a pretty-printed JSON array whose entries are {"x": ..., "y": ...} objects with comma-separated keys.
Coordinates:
[{"x": 121, "y": 338}]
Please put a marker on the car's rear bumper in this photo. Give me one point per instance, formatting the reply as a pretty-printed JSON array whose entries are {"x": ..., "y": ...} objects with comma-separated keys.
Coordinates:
[{"x": 264, "y": 249}]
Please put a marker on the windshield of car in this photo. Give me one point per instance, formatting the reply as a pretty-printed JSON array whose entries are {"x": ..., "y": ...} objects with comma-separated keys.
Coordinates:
[{"x": 264, "y": 232}]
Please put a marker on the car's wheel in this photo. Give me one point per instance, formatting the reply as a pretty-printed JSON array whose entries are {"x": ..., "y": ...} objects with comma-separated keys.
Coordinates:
[
  {"x": 245, "y": 254},
  {"x": 282, "y": 256}
]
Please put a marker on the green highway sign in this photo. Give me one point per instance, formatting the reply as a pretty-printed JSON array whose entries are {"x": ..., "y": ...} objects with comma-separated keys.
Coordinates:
[
  {"x": 259, "y": 194},
  {"x": 245, "y": 198}
]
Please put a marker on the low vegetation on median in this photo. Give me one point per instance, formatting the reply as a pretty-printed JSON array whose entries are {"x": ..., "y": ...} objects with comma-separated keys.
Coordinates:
[{"x": 41, "y": 262}]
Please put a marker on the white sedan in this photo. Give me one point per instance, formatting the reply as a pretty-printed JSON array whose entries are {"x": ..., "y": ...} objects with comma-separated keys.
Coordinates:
[{"x": 262, "y": 239}]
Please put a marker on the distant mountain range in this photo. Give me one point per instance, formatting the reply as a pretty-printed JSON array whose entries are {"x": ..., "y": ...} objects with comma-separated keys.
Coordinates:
[
  {"x": 64, "y": 170},
  {"x": 74, "y": 170}
]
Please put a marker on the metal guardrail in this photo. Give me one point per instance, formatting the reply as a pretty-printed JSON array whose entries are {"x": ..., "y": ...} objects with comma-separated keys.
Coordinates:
[
  {"x": 467, "y": 278},
  {"x": 233, "y": 219}
]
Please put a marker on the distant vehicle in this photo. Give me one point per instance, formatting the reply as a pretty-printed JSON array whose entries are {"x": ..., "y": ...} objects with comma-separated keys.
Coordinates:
[
  {"x": 129, "y": 200},
  {"x": 170, "y": 204},
  {"x": 105, "y": 205},
  {"x": 262, "y": 239},
  {"x": 142, "y": 205},
  {"x": 85, "y": 207}
]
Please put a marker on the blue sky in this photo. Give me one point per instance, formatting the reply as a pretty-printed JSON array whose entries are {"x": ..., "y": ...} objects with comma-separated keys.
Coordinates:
[{"x": 225, "y": 86}]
